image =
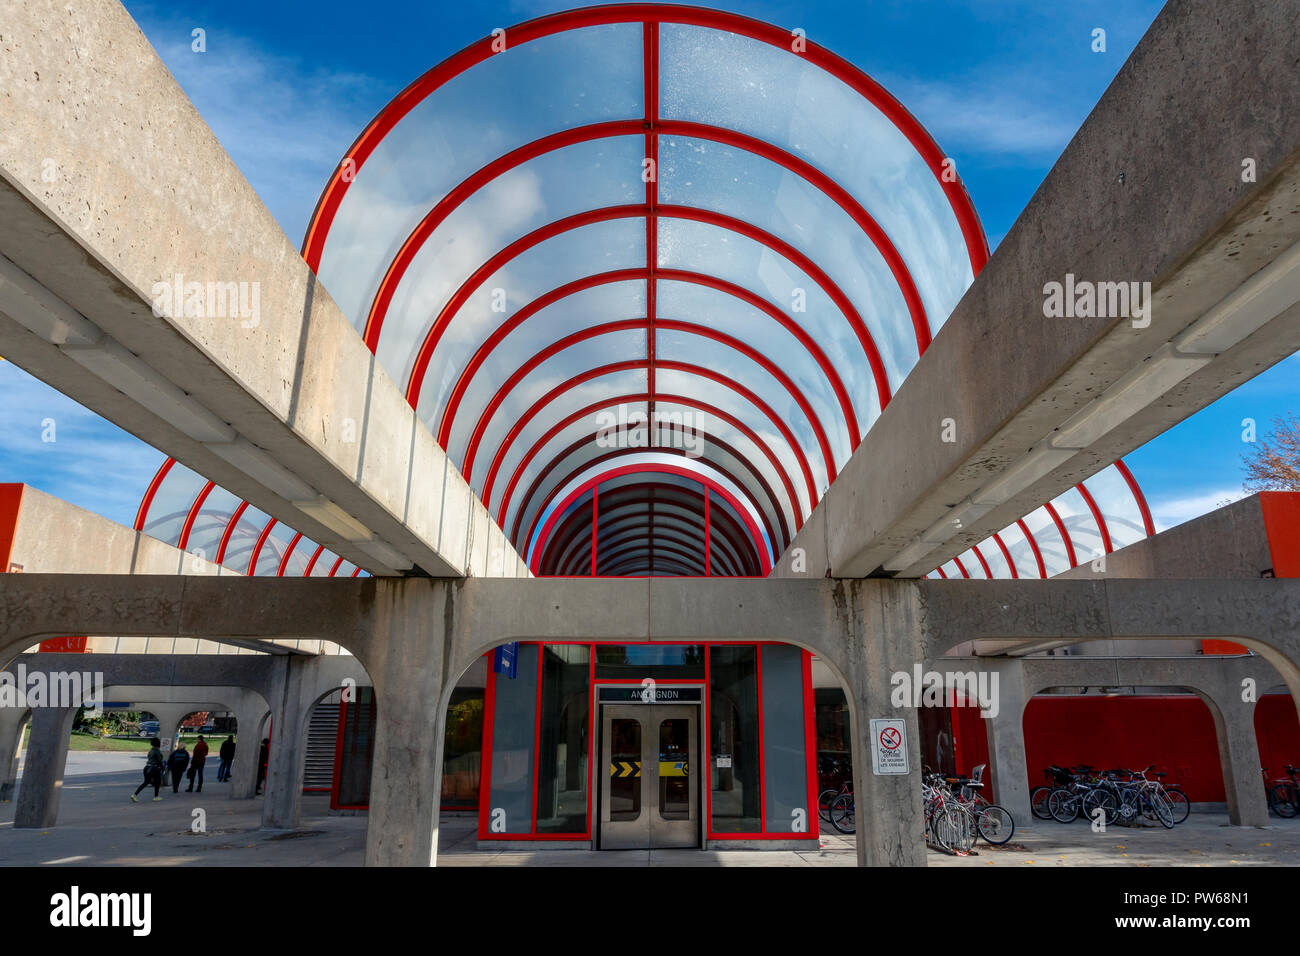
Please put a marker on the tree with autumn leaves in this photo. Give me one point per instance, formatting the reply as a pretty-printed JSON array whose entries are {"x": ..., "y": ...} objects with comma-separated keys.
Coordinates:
[{"x": 1273, "y": 462}]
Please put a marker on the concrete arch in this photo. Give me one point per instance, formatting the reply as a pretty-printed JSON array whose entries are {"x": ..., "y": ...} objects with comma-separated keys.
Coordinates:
[{"x": 1217, "y": 682}]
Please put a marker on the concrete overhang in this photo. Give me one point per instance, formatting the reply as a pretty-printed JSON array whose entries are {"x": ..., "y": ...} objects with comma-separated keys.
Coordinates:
[
  {"x": 1169, "y": 181},
  {"x": 114, "y": 195}
]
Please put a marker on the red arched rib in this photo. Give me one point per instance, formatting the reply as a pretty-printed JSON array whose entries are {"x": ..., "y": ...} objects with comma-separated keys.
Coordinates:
[
  {"x": 580, "y": 285},
  {"x": 592, "y": 332},
  {"x": 379, "y": 127},
  {"x": 588, "y": 439},
  {"x": 731, "y": 420}
]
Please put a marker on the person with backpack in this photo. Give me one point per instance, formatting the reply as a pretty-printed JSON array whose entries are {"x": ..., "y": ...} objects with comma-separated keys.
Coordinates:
[
  {"x": 227, "y": 755},
  {"x": 196, "y": 764},
  {"x": 153, "y": 771},
  {"x": 176, "y": 763}
]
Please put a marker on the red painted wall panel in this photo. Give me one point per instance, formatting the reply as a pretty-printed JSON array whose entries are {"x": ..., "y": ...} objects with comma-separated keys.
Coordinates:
[
  {"x": 1131, "y": 731},
  {"x": 1278, "y": 732}
]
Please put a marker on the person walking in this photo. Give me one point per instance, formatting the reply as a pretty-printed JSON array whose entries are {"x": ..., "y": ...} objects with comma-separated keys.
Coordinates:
[
  {"x": 227, "y": 755},
  {"x": 196, "y": 764},
  {"x": 262, "y": 756},
  {"x": 177, "y": 763},
  {"x": 153, "y": 771}
]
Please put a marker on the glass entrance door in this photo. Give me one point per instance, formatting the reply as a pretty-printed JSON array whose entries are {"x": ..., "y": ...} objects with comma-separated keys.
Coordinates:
[{"x": 650, "y": 793}]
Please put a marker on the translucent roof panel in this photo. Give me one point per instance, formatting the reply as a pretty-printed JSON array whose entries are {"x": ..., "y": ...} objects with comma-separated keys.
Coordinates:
[{"x": 656, "y": 208}]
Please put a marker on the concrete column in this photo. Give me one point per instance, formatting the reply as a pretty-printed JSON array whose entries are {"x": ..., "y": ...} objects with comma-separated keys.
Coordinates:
[
  {"x": 1234, "y": 726},
  {"x": 406, "y": 663},
  {"x": 12, "y": 721},
  {"x": 282, "y": 807},
  {"x": 883, "y": 639},
  {"x": 37, "y": 805},
  {"x": 1006, "y": 734},
  {"x": 248, "y": 742},
  {"x": 169, "y": 719}
]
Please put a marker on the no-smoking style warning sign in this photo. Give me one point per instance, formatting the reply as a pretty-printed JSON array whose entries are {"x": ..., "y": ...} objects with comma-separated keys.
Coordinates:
[{"x": 888, "y": 746}]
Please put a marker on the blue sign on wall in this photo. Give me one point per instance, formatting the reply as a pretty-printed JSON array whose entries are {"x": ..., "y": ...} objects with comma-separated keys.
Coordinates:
[{"x": 504, "y": 660}]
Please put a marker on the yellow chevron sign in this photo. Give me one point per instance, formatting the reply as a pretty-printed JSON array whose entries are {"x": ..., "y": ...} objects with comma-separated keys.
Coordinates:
[{"x": 625, "y": 768}]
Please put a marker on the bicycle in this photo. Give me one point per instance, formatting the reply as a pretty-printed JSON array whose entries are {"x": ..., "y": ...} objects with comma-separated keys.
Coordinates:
[
  {"x": 828, "y": 797},
  {"x": 1284, "y": 795},
  {"x": 992, "y": 822},
  {"x": 842, "y": 813}
]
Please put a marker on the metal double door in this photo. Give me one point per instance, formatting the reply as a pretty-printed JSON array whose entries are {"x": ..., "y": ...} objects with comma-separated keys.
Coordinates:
[{"x": 650, "y": 791}]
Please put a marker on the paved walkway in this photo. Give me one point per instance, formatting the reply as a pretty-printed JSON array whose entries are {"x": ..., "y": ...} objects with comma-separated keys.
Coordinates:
[{"x": 99, "y": 826}]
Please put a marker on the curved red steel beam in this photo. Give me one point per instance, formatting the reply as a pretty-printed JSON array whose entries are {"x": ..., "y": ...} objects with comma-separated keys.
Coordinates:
[
  {"x": 672, "y": 501},
  {"x": 960, "y": 567},
  {"x": 555, "y": 429},
  {"x": 312, "y": 563},
  {"x": 570, "y": 540},
  {"x": 834, "y": 191},
  {"x": 230, "y": 529},
  {"x": 613, "y": 367},
  {"x": 672, "y": 498},
  {"x": 1097, "y": 517},
  {"x": 586, "y": 440},
  {"x": 142, "y": 514},
  {"x": 1033, "y": 546},
  {"x": 288, "y": 553},
  {"x": 1006, "y": 553},
  {"x": 610, "y": 328},
  {"x": 647, "y": 467},
  {"x": 633, "y": 534},
  {"x": 338, "y": 562},
  {"x": 623, "y": 275},
  {"x": 193, "y": 514},
  {"x": 257, "y": 548},
  {"x": 988, "y": 571},
  {"x": 1147, "y": 523},
  {"x": 633, "y": 211},
  {"x": 479, "y": 51},
  {"x": 574, "y": 531},
  {"x": 1065, "y": 534}
]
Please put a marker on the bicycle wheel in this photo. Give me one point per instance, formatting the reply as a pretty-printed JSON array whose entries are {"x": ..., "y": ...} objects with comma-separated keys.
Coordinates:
[
  {"x": 1130, "y": 806},
  {"x": 954, "y": 830},
  {"x": 1178, "y": 803},
  {"x": 842, "y": 814},
  {"x": 824, "y": 801},
  {"x": 1104, "y": 799},
  {"x": 994, "y": 824},
  {"x": 1160, "y": 806},
  {"x": 1063, "y": 806},
  {"x": 1279, "y": 798},
  {"x": 1038, "y": 802}
]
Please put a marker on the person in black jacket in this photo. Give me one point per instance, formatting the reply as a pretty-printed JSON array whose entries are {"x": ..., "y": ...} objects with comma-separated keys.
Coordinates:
[
  {"x": 262, "y": 756},
  {"x": 176, "y": 763},
  {"x": 227, "y": 755}
]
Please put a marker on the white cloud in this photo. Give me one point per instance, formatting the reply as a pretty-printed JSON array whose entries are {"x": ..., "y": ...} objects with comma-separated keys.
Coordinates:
[
  {"x": 991, "y": 118},
  {"x": 283, "y": 122},
  {"x": 91, "y": 463},
  {"x": 1168, "y": 512}
]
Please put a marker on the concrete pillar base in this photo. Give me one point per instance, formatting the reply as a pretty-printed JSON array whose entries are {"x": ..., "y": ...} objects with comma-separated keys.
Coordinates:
[{"x": 37, "y": 806}]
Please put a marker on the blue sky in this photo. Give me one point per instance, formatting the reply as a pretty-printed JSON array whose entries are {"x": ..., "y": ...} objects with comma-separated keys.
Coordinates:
[{"x": 1002, "y": 85}]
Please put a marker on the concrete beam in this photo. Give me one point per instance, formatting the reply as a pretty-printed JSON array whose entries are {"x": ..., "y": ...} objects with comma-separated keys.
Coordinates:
[
  {"x": 1134, "y": 198},
  {"x": 282, "y": 405}
]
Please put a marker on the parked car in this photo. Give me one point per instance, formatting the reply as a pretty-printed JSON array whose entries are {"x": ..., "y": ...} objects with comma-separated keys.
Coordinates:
[{"x": 150, "y": 728}]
